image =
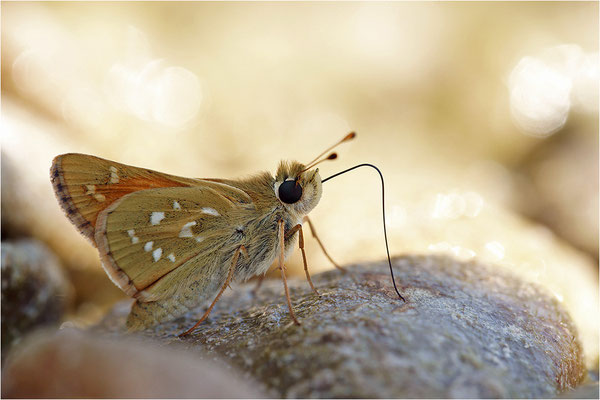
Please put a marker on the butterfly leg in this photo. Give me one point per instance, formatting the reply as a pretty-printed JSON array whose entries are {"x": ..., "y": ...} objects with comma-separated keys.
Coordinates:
[
  {"x": 281, "y": 267},
  {"x": 236, "y": 256},
  {"x": 298, "y": 228},
  {"x": 314, "y": 233}
]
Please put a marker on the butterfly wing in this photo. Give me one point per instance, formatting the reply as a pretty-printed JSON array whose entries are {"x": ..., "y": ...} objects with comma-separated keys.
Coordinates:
[
  {"x": 158, "y": 236},
  {"x": 86, "y": 185},
  {"x": 150, "y": 228}
]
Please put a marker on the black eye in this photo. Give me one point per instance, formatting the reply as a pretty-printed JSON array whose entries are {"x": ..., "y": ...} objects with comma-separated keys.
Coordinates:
[{"x": 290, "y": 192}]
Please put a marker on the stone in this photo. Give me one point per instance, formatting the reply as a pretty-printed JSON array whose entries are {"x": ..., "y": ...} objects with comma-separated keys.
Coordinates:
[
  {"x": 74, "y": 364},
  {"x": 587, "y": 390},
  {"x": 35, "y": 290},
  {"x": 466, "y": 330}
]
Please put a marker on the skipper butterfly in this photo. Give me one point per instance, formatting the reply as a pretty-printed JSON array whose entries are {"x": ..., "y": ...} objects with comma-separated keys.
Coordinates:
[{"x": 172, "y": 243}]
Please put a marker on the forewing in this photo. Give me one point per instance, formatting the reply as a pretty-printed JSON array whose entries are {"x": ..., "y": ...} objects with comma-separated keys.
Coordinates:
[
  {"x": 150, "y": 235},
  {"x": 86, "y": 185}
]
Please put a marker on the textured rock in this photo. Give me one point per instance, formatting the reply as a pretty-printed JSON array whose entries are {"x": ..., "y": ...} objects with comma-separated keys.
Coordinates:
[
  {"x": 72, "y": 364},
  {"x": 467, "y": 330},
  {"x": 586, "y": 391},
  {"x": 35, "y": 291}
]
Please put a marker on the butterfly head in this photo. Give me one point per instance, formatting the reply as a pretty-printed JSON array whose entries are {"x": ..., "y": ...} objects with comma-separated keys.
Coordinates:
[{"x": 296, "y": 187}]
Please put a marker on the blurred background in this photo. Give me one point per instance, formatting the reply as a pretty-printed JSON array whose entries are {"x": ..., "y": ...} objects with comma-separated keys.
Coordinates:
[{"x": 483, "y": 117}]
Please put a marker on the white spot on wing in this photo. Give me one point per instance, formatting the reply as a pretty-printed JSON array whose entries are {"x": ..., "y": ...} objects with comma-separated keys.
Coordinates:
[
  {"x": 210, "y": 211},
  {"x": 134, "y": 239},
  {"x": 171, "y": 257},
  {"x": 176, "y": 205},
  {"x": 90, "y": 189},
  {"x": 114, "y": 177},
  {"x": 186, "y": 231},
  {"x": 156, "y": 217},
  {"x": 156, "y": 254},
  {"x": 148, "y": 246},
  {"x": 99, "y": 197},
  {"x": 199, "y": 239}
]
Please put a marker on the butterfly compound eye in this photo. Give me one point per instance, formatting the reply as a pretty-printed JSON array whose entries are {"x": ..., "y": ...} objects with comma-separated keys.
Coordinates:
[{"x": 290, "y": 192}]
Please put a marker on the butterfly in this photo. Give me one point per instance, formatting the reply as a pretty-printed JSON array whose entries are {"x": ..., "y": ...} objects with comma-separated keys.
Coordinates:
[{"x": 173, "y": 243}]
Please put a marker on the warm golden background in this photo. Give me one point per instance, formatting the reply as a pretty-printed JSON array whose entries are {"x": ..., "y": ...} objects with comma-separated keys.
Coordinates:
[{"x": 483, "y": 118}]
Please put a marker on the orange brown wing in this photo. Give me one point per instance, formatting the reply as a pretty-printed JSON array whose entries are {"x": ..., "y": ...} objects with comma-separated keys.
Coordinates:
[{"x": 86, "y": 185}]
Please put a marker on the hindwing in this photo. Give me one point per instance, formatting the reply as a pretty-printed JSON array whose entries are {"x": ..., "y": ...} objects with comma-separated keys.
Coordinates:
[{"x": 148, "y": 235}]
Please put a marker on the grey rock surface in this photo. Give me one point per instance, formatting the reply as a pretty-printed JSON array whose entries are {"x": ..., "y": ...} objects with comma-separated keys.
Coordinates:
[
  {"x": 466, "y": 330},
  {"x": 588, "y": 390},
  {"x": 72, "y": 364},
  {"x": 35, "y": 291}
]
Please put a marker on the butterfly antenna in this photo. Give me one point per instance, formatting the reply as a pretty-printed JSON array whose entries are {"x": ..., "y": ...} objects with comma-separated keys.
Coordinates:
[
  {"x": 387, "y": 248},
  {"x": 346, "y": 138},
  {"x": 332, "y": 156}
]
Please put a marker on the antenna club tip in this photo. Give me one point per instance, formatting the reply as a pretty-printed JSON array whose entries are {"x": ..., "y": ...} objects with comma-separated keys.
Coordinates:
[
  {"x": 332, "y": 156},
  {"x": 350, "y": 136}
]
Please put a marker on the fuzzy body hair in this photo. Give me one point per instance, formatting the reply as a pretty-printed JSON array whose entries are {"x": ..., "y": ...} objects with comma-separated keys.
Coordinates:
[{"x": 254, "y": 226}]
